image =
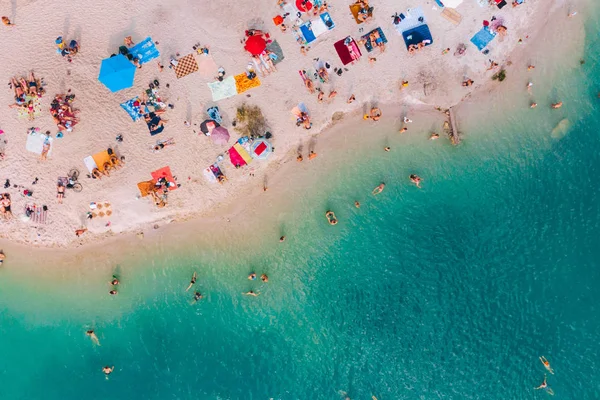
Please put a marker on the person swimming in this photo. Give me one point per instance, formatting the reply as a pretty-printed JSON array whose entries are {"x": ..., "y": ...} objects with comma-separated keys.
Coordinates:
[
  {"x": 356, "y": 204},
  {"x": 416, "y": 180},
  {"x": 251, "y": 293},
  {"x": 252, "y": 277},
  {"x": 93, "y": 336},
  {"x": 112, "y": 292},
  {"x": 544, "y": 384},
  {"x": 546, "y": 364},
  {"x": 557, "y": 105},
  {"x": 378, "y": 189},
  {"x": 192, "y": 281},
  {"x": 197, "y": 296},
  {"x": 264, "y": 278},
  {"x": 114, "y": 281}
]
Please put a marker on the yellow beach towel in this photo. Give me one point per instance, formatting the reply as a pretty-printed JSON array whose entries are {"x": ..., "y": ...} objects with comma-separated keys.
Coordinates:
[
  {"x": 242, "y": 152},
  {"x": 100, "y": 159},
  {"x": 242, "y": 83}
]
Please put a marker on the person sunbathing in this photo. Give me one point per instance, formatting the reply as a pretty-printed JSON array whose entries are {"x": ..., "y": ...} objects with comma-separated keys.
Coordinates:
[
  {"x": 309, "y": 85},
  {"x": 32, "y": 85},
  {"x": 412, "y": 48},
  {"x": 323, "y": 74},
  {"x": 261, "y": 68},
  {"x": 17, "y": 88},
  {"x": 320, "y": 96},
  {"x": 161, "y": 144},
  {"x": 269, "y": 61},
  {"x": 377, "y": 40},
  {"x": 96, "y": 174}
]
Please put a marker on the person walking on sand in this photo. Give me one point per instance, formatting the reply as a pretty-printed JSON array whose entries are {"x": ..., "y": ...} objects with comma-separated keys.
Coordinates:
[
  {"x": 93, "y": 336},
  {"x": 6, "y": 21},
  {"x": 192, "y": 282},
  {"x": 378, "y": 189},
  {"x": 108, "y": 370}
]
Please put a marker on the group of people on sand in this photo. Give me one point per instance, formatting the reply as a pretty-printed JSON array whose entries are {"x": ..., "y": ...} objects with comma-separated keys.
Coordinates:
[
  {"x": 374, "y": 114},
  {"x": 413, "y": 48},
  {"x": 26, "y": 90},
  {"x": 5, "y": 206},
  {"x": 529, "y": 87},
  {"x": 114, "y": 163},
  {"x": 67, "y": 50},
  {"x": 264, "y": 62},
  {"x": 63, "y": 114},
  {"x": 303, "y": 119}
]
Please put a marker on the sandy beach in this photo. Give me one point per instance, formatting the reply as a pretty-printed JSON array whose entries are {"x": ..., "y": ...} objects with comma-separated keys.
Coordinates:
[{"x": 434, "y": 80}]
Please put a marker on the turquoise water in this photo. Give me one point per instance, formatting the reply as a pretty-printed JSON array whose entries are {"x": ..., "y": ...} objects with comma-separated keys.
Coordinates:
[{"x": 452, "y": 291}]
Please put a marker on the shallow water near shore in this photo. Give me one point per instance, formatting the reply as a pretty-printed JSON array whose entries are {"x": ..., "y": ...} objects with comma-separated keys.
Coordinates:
[{"x": 449, "y": 291}]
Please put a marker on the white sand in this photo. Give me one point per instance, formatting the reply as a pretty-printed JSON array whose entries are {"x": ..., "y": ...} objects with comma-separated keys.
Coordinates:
[{"x": 100, "y": 27}]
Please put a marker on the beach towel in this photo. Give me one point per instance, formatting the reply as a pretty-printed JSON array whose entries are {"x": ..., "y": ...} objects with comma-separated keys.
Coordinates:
[
  {"x": 100, "y": 159},
  {"x": 344, "y": 53},
  {"x": 452, "y": 15},
  {"x": 90, "y": 164},
  {"x": 242, "y": 83},
  {"x": 36, "y": 214},
  {"x": 224, "y": 89},
  {"x": 185, "y": 66},
  {"x": 214, "y": 114},
  {"x": 482, "y": 38},
  {"x": 413, "y": 17},
  {"x": 132, "y": 109},
  {"x": 37, "y": 108},
  {"x": 146, "y": 187},
  {"x": 368, "y": 45},
  {"x": 239, "y": 156},
  {"x": 306, "y": 29},
  {"x": 275, "y": 48},
  {"x": 417, "y": 35},
  {"x": 145, "y": 51},
  {"x": 165, "y": 172},
  {"x": 35, "y": 143},
  {"x": 354, "y": 9},
  {"x": 207, "y": 66}
]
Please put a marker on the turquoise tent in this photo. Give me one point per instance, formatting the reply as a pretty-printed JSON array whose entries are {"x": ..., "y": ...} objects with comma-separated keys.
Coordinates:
[{"x": 117, "y": 73}]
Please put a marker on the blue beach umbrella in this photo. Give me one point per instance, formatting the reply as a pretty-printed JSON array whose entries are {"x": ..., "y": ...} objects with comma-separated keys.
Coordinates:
[{"x": 117, "y": 73}]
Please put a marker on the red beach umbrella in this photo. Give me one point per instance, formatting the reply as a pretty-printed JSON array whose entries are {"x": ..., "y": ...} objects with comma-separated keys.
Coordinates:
[
  {"x": 255, "y": 45},
  {"x": 303, "y": 5}
]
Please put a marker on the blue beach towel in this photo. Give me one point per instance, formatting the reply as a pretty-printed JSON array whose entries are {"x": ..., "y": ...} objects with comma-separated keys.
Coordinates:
[
  {"x": 483, "y": 38},
  {"x": 326, "y": 18},
  {"x": 308, "y": 34},
  {"x": 368, "y": 44},
  {"x": 133, "y": 111},
  {"x": 144, "y": 51},
  {"x": 417, "y": 35},
  {"x": 214, "y": 114}
]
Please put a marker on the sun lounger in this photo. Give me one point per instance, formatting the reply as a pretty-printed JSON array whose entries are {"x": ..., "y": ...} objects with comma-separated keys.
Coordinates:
[
  {"x": 368, "y": 45},
  {"x": 452, "y": 15},
  {"x": 185, "y": 66},
  {"x": 165, "y": 172},
  {"x": 145, "y": 51},
  {"x": 224, "y": 89},
  {"x": 344, "y": 54},
  {"x": 35, "y": 143},
  {"x": 242, "y": 83},
  {"x": 417, "y": 35},
  {"x": 413, "y": 18},
  {"x": 482, "y": 38}
]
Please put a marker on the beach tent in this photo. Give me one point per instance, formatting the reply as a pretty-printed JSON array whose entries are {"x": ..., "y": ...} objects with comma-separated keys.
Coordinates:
[
  {"x": 220, "y": 135},
  {"x": 255, "y": 45},
  {"x": 261, "y": 149},
  {"x": 117, "y": 73}
]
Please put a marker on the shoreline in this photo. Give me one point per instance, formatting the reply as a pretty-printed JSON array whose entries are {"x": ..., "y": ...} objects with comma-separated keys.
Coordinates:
[{"x": 274, "y": 171}]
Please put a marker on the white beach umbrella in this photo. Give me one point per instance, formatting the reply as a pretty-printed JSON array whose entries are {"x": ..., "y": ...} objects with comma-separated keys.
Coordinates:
[{"x": 451, "y": 3}]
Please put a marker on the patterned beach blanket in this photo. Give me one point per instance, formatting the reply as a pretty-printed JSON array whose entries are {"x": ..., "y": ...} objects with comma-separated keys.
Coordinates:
[
  {"x": 242, "y": 83},
  {"x": 185, "y": 66},
  {"x": 37, "y": 108}
]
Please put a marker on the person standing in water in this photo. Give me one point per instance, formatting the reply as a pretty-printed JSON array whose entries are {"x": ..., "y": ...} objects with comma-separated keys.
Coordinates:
[
  {"x": 114, "y": 281},
  {"x": 108, "y": 370},
  {"x": 93, "y": 336},
  {"x": 192, "y": 282}
]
